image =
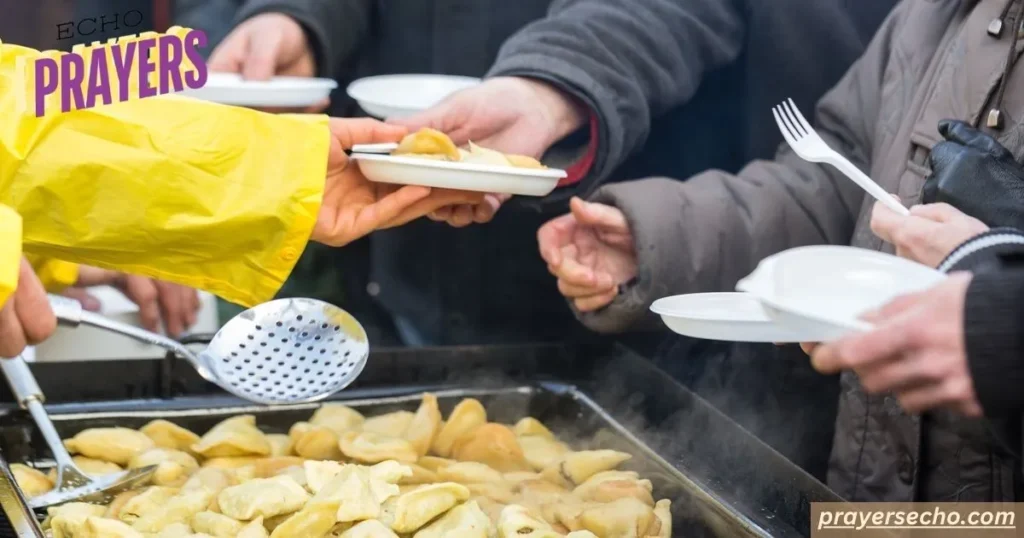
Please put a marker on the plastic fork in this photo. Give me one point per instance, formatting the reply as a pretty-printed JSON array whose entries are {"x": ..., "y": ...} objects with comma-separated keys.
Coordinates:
[{"x": 806, "y": 142}]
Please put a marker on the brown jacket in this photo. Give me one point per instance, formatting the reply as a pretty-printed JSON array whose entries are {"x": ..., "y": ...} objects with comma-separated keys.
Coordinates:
[{"x": 932, "y": 59}]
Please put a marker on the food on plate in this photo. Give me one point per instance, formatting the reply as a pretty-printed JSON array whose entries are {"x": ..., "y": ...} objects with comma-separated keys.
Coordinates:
[
  {"x": 402, "y": 474},
  {"x": 435, "y": 145}
]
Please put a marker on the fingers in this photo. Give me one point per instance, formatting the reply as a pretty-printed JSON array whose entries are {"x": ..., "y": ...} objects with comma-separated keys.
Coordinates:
[
  {"x": 596, "y": 302},
  {"x": 94, "y": 276},
  {"x": 143, "y": 292},
  {"x": 26, "y": 318},
  {"x": 603, "y": 217},
  {"x": 178, "y": 307},
  {"x": 33, "y": 307},
  {"x": 955, "y": 392},
  {"x": 936, "y": 212},
  {"x": 887, "y": 340},
  {"x": 87, "y": 301},
  {"x": 965, "y": 134},
  {"x": 352, "y": 131},
  {"x": 229, "y": 55},
  {"x": 433, "y": 118},
  {"x": 261, "y": 58},
  {"x": 809, "y": 347},
  {"x": 885, "y": 222},
  {"x": 12, "y": 335},
  {"x": 553, "y": 236}
]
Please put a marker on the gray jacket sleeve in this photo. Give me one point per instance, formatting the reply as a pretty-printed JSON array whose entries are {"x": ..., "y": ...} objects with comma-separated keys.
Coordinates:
[
  {"x": 335, "y": 27},
  {"x": 627, "y": 61},
  {"x": 705, "y": 234}
]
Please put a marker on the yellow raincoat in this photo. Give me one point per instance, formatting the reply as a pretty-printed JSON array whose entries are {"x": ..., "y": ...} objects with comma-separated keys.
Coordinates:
[{"x": 213, "y": 197}]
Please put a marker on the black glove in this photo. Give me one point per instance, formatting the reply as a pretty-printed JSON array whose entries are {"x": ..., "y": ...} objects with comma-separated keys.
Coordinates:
[{"x": 974, "y": 173}]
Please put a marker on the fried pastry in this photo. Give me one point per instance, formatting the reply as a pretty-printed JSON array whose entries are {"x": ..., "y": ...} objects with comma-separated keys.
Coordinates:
[
  {"x": 466, "y": 520},
  {"x": 494, "y": 445},
  {"x": 337, "y": 417},
  {"x": 267, "y": 497},
  {"x": 367, "y": 447},
  {"x": 576, "y": 467},
  {"x": 389, "y": 424},
  {"x": 114, "y": 445},
  {"x": 173, "y": 467},
  {"x": 410, "y": 511},
  {"x": 468, "y": 415},
  {"x": 368, "y": 529},
  {"x": 169, "y": 435},
  {"x": 424, "y": 425},
  {"x": 236, "y": 436},
  {"x": 428, "y": 142},
  {"x": 31, "y": 481}
]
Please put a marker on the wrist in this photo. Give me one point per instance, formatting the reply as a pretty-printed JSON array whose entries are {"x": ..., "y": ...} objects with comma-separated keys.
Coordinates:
[{"x": 563, "y": 112}]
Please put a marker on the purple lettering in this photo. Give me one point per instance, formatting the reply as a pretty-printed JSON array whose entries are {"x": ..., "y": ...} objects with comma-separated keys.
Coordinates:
[
  {"x": 146, "y": 68},
  {"x": 195, "y": 40},
  {"x": 72, "y": 69},
  {"x": 170, "y": 64},
  {"x": 46, "y": 70},
  {"x": 123, "y": 67},
  {"x": 99, "y": 80}
]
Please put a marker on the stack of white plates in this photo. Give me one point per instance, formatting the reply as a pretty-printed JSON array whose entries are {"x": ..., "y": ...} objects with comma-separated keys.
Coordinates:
[{"x": 806, "y": 294}]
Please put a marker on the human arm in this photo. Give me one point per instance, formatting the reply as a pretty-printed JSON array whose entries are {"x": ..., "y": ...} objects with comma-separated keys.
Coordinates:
[
  {"x": 333, "y": 28},
  {"x": 625, "y": 62},
  {"x": 214, "y": 197},
  {"x": 706, "y": 233}
]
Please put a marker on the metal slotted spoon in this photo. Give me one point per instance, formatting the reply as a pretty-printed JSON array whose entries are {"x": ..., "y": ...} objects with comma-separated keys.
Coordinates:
[
  {"x": 281, "y": 352},
  {"x": 72, "y": 483}
]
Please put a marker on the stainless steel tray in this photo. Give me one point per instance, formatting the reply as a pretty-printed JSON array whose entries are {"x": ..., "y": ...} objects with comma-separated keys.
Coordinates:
[{"x": 722, "y": 480}]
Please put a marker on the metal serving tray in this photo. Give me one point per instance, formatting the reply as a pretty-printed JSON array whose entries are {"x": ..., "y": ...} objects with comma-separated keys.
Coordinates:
[{"x": 723, "y": 482}]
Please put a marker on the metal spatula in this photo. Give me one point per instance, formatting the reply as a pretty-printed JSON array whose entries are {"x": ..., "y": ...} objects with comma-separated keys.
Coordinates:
[
  {"x": 72, "y": 483},
  {"x": 281, "y": 352}
]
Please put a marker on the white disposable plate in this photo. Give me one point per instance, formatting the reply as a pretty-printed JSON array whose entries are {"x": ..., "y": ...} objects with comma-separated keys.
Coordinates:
[
  {"x": 821, "y": 292},
  {"x": 461, "y": 176},
  {"x": 395, "y": 96},
  {"x": 284, "y": 92},
  {"x": 733, "y": 317}
]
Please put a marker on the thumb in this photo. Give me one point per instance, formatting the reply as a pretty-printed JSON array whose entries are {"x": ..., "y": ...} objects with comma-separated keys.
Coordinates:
[
  {"x": 352, "y": 131},
  {"x": 260, "y": 62},
  {"x": 601, "y": 216}
]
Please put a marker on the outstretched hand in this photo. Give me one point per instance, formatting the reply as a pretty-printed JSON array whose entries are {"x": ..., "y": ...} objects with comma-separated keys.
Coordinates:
[{"x": 353, "y": 206}]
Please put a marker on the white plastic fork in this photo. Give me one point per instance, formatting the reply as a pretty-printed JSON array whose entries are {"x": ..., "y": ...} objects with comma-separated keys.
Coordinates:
[{"x": 806, "y": 142}]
